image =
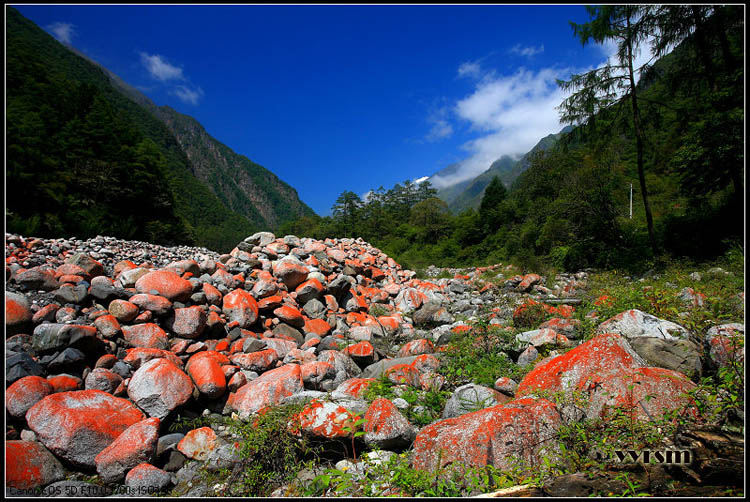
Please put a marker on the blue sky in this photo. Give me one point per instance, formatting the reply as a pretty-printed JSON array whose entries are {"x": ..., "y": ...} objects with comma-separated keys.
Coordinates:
[{"x": 334, "y": 98}]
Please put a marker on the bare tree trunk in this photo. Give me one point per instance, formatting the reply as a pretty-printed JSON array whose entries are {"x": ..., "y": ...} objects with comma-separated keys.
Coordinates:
[{"x": 639, "y": 144}]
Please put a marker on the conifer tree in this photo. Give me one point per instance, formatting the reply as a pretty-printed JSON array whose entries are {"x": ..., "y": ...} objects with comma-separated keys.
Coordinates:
[{"x": 614, "y": 83}]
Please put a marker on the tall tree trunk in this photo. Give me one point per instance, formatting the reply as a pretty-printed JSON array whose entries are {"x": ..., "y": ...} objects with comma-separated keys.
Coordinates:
[
  {"x": 721, "y": 32},
  {"x": 639, "y": 143},
  {"x": 702, "y": 44}
]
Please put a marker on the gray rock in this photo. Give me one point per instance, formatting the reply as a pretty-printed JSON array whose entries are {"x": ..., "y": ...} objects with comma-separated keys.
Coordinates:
[
  {"x": 528, "y": 356},
  {"x": 467, "y": 398},
  {"x": 678, "y": 355},
  {"x": 51, "y": 337},
  {"x": 377, "y": 369},
  {"x": 68, "y": 360},
  {"x": 314, "y": 309},
  {"x": 21, "y": 365},
  {"x": 168, "y": 443},
  {"x": 260, "y": 239},
  {"x": 147, "y": 480},
  {"x": 634, "y": 323}
]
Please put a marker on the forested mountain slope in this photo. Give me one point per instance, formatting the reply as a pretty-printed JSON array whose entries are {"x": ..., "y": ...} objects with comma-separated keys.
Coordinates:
[{"x": 87, "y": 156}]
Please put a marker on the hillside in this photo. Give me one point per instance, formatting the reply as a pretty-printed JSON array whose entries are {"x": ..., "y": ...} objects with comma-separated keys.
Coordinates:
[
  {"x": 242, "y": 185},
  {"x": 469, "y": 193},
  {"x": 87, "y": 156}
]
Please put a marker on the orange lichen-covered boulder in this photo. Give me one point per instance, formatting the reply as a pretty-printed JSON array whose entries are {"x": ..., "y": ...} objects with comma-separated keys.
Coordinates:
[
  {"x": 146, "y": 478},
  {"x": 17, "y": 314},
  {"x": 608, "y": 370},
  {"x": 64, "y": 383},
  {"x": 312, "y": 288},
  {"x": 240, "y": 306},
  {"x": 135, "y": 445},
  {"x": 25, "y": 393},
  {"x": 147, "y": 335},
  {"x": 266, "y": 390},
  {"x": 290, "y": 315},
  {"x": 361, "y": 352},
  {"x": 77, "y": 425},
  {"x": 198, "y": 443},
  {"x": 416, "y": 348},
  {"x": 606, "y": 356},
  {"x": 642, "y": 393},
  {"x": 207, "y": 376},
  {"x": 290, "y": 273},
  {"x": 256, "y": 361},
  {"x": 157, "y": 304},
  {"x": 138, "y": 356},
  {"x": 352, "y": 388},
  {"x": 315, "y": 372},
  {"x": 524, "y": 428},
  {"x": 317, "y": 326},
  {"x": 159, "y": 386},
  {"x": 385, "y": 427},
  {"x": 165, "y": 283},
  {"x": 528, "y": 282},
  {"x": 326, "y": 420},
  {"x": 30, "y": 465}
]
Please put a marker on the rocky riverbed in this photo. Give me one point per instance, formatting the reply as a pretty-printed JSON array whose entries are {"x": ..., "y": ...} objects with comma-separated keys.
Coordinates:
[{"x": 109, "y": 341}]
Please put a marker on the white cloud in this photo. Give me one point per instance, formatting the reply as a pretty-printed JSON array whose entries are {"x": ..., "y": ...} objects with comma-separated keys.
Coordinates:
[
  {"x": 513, "y": 112},
  {"x": 470, "y": 69},
  {"x": 62, "y": 31},
  {"x": 160, "y": 69},
  {"x": 172, "y": 75},
  {"x": 526, "y": 51},
  {"x": 187, "y": 95},
  {"x": 420, "y": 180},
  {"x": 441, "y": 126}
]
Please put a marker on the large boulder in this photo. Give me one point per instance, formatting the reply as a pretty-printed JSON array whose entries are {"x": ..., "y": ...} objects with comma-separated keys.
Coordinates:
[
  {"x": 17, "y": 314},
  {"x": 159, "y": 386},
  {"x": 135, "y": 445},
  {"x": 207, "y": 376},
  {"x": 77, "y": 425},
  {"x": 29, "y": 465},
  {"x": 472, "y": 397},
  {"x": 266, "y": 390},
  {"x": 634, "y": 323},
  {"x": 679, "y": 355},
  {"x": 611, "y": 374},
  {"x": 726, "y": 344},
  {"x": 326, "y": 420},
  {"x": 148, "y": 335},
  {"x": 165, "y": 283},
  {"x": 523, "y": 428},
  {"x": 606, "y": 355},
  {"x": 240, "y": 306},
  {"x": 52, "y": 337},
  {"x": 25, "y": 393},
  {"x": 385, "y": 427}
]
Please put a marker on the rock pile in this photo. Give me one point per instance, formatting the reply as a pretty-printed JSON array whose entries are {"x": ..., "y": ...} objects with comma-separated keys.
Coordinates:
[{"x": 109, "y": 340}]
